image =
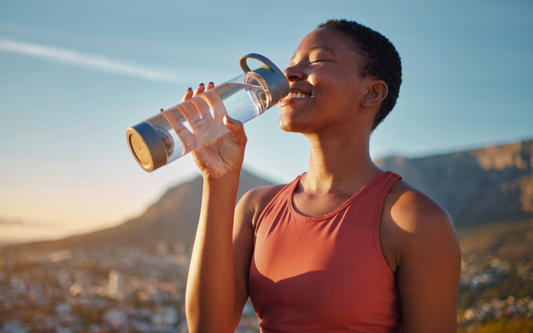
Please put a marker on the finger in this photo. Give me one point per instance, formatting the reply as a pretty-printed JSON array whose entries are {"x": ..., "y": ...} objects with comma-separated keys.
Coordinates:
[
  {"x": 215, "y": 104},
  {"x": 187, "y": 95},
  {"x": 186, "y": 137},
  {"x": 199, "y": 90},
  {"x": 236, "y": 129},
  {"x": 201, "y": 107},
  {"x": 210, "y": 85},
  {"x": 189, "y": 112}
]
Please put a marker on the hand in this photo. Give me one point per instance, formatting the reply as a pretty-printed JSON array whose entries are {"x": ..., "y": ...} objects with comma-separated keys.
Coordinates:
[{"x": 223, "y": 156}]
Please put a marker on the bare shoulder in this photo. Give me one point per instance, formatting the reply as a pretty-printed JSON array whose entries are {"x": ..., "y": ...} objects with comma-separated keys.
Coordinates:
[
  {"x": 412, "y": 223},
  {"x": 254, "y": 201},
  {"x": 413, "y": 211}
]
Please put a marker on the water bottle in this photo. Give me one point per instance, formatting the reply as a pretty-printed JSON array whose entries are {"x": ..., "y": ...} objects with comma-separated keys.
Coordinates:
[{"x": 194, "y": 123}]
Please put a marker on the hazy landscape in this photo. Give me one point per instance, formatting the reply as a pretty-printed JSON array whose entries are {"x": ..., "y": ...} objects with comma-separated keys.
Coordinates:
[{"x": 131, "y": 278}]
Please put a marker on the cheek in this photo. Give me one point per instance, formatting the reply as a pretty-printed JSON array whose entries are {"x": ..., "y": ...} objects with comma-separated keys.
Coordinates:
[
  {"x": 338, "y": 104},
  {"x": 330, "y": 95},
  {"x": 341, "y": 94},
  {"x": 327, "y": 83}
]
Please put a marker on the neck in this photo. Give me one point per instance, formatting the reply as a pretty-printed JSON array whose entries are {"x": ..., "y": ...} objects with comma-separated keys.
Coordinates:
[{"x": 339, "y": 165}]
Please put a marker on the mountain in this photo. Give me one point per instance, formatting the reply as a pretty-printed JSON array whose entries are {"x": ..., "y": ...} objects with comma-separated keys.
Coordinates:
[
  {"x": 477, "y": 187},
  {"x": 510, "y": 241},
  {"x": 173, "y": 218},
  {"x": 493, "y": 184}
]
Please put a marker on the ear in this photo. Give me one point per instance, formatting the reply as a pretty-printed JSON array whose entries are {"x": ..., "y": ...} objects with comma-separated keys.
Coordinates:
[{"x": 375, "y": 94}]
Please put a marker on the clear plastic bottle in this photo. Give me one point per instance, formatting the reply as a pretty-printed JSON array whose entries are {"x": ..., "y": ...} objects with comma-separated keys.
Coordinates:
[{"x": 194, "y": 123}]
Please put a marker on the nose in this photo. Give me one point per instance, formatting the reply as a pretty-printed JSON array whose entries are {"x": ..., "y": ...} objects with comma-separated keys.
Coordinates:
[{"x": 295, "y": 73}]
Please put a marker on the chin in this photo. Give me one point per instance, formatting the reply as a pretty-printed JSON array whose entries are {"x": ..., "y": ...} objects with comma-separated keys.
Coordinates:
[
  {"x": 291, "y": 125},
  {"x": 285, "y": 127},
  {"x": 289, "y": 121},
  {"x": 286, "y": 124}
]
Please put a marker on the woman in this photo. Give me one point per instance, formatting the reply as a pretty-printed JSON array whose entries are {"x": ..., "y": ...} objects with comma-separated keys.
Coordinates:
[{"x": 346, "y": 247}]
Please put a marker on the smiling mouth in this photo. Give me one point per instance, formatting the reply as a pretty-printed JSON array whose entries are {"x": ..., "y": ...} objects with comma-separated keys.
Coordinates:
[{"x": 294, "y": 96}]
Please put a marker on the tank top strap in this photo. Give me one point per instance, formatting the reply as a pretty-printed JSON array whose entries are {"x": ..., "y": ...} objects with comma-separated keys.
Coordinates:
[
  {"x": 378, "y": 188},
  {"x": 386, "y": 184},
  {"x": 389, "y": 181}
]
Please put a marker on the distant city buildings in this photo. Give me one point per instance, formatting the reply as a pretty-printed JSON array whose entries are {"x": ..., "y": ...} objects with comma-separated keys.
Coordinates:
[
  {"x": 161, "y": 247},
  {"x": 109, "y": 289},
  {"x": 114, "y": 289}
]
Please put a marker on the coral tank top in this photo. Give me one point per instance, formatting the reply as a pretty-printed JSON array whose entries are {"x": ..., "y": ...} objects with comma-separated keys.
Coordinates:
[{"x": 325, "y": 273}]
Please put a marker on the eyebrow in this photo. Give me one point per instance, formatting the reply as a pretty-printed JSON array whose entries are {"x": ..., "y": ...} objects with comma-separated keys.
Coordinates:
[{"x": 318, "y": 47}]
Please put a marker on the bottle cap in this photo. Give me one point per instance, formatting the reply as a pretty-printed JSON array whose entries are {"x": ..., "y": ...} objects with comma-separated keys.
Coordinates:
[
  {"x": 274, "y": 78},
  {"x": 146, "y": 146}
]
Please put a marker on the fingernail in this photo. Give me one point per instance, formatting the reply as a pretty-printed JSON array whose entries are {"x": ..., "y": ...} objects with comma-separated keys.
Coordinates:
[
  {"x": 201, "y": 84},
  {"x": 162, "y": 110},
  {"x": 211, "y": 83},
  {"x": 229, "y": 120},
  {"x": 190, "y": 89}
]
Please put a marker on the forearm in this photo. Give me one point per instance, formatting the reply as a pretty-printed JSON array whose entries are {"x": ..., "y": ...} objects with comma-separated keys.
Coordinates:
[{"x": 210, "y": 298}]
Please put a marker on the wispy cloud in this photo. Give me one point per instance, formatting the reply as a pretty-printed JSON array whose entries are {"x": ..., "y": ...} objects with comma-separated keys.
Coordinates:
[
  {"x": 90, "y": 61},
  {"x": 16, "y": 222}
]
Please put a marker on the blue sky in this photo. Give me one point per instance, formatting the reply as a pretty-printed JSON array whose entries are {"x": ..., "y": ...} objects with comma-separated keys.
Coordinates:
[{"x": 75, "y": 75}]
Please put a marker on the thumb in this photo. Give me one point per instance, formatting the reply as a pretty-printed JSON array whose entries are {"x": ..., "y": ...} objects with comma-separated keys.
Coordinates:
[{"x": 236, "y": 130}]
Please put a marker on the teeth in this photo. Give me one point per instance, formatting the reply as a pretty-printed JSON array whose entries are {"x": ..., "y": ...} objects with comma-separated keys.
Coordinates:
[{"x": 298, "y": 95}]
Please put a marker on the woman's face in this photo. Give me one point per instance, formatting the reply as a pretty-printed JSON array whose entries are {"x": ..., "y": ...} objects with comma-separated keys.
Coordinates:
[{"x": 325, "y": 87}]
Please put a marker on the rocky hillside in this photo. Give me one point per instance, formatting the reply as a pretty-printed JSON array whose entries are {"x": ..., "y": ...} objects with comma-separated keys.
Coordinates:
[
  {"x": 170, "y": 220},
  {"x": 493, "y": 184},
  {"x": 509, "y": 241}
]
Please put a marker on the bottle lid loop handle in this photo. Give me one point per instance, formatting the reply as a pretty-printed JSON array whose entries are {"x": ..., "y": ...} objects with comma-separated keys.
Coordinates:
[{"x": 261, "y": 58}]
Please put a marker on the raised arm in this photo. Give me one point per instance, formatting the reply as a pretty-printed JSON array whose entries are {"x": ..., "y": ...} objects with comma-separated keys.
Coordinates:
[{"x": 216, "y": 292}]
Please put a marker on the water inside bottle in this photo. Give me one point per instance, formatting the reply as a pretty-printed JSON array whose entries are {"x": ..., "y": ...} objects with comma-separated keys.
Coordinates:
[{"x": 244, "y": 104}]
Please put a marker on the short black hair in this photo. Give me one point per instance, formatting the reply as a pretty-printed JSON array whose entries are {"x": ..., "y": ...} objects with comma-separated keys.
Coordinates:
[{"x": 381, "y": 60}]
